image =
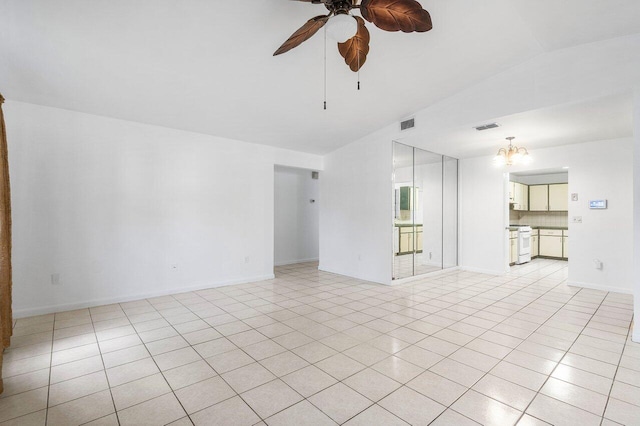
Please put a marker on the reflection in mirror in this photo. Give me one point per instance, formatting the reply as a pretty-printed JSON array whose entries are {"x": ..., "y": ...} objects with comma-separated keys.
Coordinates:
[{"x": 425, "y": 211}]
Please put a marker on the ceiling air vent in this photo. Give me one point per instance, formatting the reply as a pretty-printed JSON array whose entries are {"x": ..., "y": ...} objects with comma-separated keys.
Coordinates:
[
  {"x": 487, "y": 126},
  {"x": 408, "y": 124}
]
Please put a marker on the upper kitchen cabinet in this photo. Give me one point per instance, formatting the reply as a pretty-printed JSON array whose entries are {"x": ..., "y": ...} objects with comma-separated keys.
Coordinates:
[
  {"x": 519, "y": 196},
  {"x": 559, "y": 197},
  {"x": 539, "y": 198}
]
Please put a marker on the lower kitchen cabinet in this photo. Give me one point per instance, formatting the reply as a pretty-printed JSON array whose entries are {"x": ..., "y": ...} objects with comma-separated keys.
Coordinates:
[
  {"x": 551, "y": 243},
  {"x": 406, "y": 239},
  {"x": 513, "y": 246},
  {"x": 534, "y": 243}
]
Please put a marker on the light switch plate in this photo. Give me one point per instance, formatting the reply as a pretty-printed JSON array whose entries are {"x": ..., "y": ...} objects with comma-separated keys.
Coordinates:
[
  {"x": 574, "y": 196},
  {"x": 576, "y": 219}
]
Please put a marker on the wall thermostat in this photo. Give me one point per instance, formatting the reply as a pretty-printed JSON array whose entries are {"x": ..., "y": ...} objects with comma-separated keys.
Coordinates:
[{"x": 597, "y": 204}]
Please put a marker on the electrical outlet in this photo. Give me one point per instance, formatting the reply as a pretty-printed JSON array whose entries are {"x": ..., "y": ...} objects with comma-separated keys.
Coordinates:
[
  {"x": 598, "y": 264},
  {"x": 55, "y": 279},
  {"x": 174, "y": 266},
  {"x": 576, "y": 219},
  {"x": 430, "y": 255},
  {"x": 574, "y": 196},
  {"x": 246, "y": 259}
]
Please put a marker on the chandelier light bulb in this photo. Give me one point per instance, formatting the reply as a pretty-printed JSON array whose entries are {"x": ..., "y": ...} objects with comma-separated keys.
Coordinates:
[
  {"x": 342, "y": 27},
  {"x": 512, "y": 154}
]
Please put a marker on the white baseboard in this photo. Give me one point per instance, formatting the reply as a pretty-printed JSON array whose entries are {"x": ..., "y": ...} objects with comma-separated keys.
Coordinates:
[
  {"x": 601, "y": 287},
  {"x": 293, "y": 262},
  {"x": 636, "y": 334},
  {"x": 323, "y": 269},
  {"x": 422, "y": 276},
  {"x": 49, "y": 309}
]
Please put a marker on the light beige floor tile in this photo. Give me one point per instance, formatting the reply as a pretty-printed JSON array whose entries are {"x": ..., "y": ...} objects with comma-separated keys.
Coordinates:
[
  {"x": 309, "y": 380},
  {"x": 558, "y": 413},
  {"x": 376, "y": 415},
  {"x": 34, "y": 419},
  {"x": 438, "y": 346},
  {"x": 158, "y": 347},
  {"x": 624, "y": 392},
  {"x": 124, "y": 356},
  {"x": 485, "y": 410},
  {"x": 372, "y": 384},
  {"x": 248, "y": 377},
  {"x": 504, "y": 391},
  {"x": 201, "y": 336},
  {"x": 300, "y": 414},
  {"x": 389, "y": 344},
  {"x": 575, "y": 395},
  {"x": 233, "y": 411},
  {"x": 293, "y": 340},
  {"x": 26, "y": 365},
  {"x": 62, "y": 392},
  {"x": 437, "y": 388},
  {"x": 588, "y": 364},
  {"x": 457, "y": 372},
  {"x": 23, "y": 403},
  {"x": 519, "y": 375},
  {"x": 189, "y": 374},
  {"x": 14, "y": 354},
  {"x": 138, "y": 391},
  {"x": 340, "y": 366},
  {"x": 132, "y": 371},
  {"x": 114, "y": 333},
  {"x": 340, "y": 402},
  {"x": 214, "y": 347},
  {"x": 228, "y": 361},
  {"x": 263, "y": 349},
  {"x": 173, "y": 359},
  {"x": 528, "y": 420},
  {"x": 74, "y": 341},
  {"x": 110, "y": 420},
  {"x": 25, "y": 382},
  {"x": 159, "y": 411},
  {"x": 314, "y": 352},
  {"x": 204, "y": 394},
  {"x": 271, "y": 398},
  {"x": 340, "y": 342},
  {"x": 628, "y": 376},
  {"x": 583, "y": 378},
  {"x": 119, "y": 343},
  {"x": 412, "y": 407},
  {"x": 284, "y": 363},
  {"x": 398, "y": 369},
  {"x": 81, "y": 410},
  {"x": 621, "y": 412},
  {"x": 451, "y": 418}
]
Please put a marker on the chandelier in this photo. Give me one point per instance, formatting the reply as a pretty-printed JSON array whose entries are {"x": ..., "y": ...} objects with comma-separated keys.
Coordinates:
[{"x": 512, "y": 154}]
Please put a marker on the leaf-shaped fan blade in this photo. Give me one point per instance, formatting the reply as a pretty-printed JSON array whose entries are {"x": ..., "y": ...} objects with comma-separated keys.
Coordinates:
[
  {"x": 303, "y": 34},
  {"x": 396, "y": 15},
  {"x": 355, "y": 50}
]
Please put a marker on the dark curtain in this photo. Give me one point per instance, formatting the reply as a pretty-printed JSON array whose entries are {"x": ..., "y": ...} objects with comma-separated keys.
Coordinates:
[{"x": 6, "y": 320}]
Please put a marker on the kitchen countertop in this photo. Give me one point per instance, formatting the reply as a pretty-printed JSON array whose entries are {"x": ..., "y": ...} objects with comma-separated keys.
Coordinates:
[{"x": 561, "y": 228}]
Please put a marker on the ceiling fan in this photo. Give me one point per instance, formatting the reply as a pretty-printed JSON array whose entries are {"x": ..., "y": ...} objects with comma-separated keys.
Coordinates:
[{"x": 350, "y": 31}]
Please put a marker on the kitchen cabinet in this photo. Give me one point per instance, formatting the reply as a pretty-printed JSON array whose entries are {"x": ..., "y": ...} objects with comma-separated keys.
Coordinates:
[
  {"x": 551, "y": 241},
  {"x": 565, "y": 244},
  {"x": 520, "y": 198},
  {"x": 534, "y": 243},
  {"x": 559, "y": 197},
  {"x": 539, "y": 198},
  {"x": 513, "y": 246},
  {"x": 406, "y": 239},
  {"x": 512, "y": 192}
]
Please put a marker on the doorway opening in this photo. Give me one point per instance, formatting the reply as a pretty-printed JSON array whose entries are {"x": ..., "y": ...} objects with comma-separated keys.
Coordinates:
[
  {"x": 296, "y": 215},
  {"x": 538, "y": 216}
]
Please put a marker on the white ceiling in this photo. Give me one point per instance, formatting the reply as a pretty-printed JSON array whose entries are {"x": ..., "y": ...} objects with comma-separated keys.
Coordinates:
[
  {"x": 597, "y": 119},
  {"x": 207, "y": 66}
]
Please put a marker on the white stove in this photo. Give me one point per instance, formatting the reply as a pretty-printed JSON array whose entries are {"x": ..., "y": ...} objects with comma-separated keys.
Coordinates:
[{"x": 524, "y": 244}]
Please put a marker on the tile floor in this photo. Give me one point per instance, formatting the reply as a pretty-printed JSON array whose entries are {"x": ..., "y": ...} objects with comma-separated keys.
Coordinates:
[{"x": 313, "y": 348}]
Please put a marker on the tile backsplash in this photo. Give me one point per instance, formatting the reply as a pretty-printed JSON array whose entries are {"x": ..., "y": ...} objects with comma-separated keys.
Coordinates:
[{"x": 560, "y": 219}]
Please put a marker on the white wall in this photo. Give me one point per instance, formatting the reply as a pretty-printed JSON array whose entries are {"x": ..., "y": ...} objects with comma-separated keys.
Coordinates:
[
  {"x": 597, "y": 170},
  {"x": 112, "y": 206},
  {"x": 297, "y": 219},
  {"x": 356, "y": 213},
  {"x": 636, "y": 212}
]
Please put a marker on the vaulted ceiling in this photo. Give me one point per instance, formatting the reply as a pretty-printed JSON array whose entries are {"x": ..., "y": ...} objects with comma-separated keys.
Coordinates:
[{"x": 207, "y": 66}]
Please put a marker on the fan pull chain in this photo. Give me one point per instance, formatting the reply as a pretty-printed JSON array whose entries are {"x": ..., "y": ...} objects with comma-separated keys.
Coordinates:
[
  {"x": 358, "y": 69},
  {"x": 325, "y": 68}
]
